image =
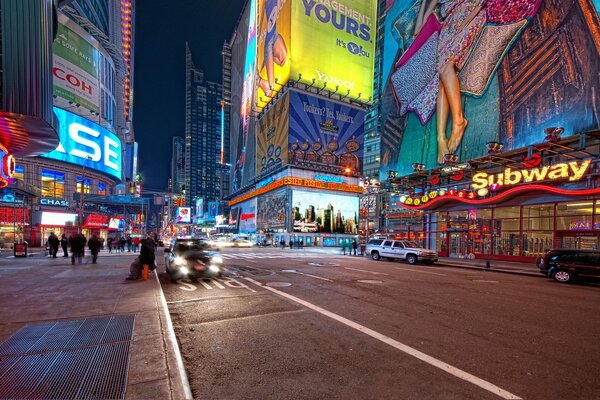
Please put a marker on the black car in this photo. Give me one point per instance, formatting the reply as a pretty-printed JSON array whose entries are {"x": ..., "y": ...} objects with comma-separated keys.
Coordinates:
[
  {"x": 192, "y": 259},
  {"x": 565, "y": 265}
]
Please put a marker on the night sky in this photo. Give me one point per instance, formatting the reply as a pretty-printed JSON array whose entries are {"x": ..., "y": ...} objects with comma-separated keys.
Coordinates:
[{"x": 162, "y": 28}]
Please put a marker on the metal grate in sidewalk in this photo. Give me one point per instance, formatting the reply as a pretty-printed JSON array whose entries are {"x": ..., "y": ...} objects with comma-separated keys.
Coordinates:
[{"x": 82, "y": 359}]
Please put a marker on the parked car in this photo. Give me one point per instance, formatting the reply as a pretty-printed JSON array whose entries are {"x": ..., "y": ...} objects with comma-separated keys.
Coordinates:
[
  {"x": 400, "y": 249},
  {"x": 565, "y": 265},
  {"x": 192, "y": 258}
]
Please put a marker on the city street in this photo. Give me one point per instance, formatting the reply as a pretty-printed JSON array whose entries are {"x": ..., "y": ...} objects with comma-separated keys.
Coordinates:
[{"x": 300, "y": 324}]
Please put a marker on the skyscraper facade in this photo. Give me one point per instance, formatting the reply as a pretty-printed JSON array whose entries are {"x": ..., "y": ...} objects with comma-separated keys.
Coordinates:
[
  {"x": 178, "y": 165},
  {"x": 203, "y": 106}
]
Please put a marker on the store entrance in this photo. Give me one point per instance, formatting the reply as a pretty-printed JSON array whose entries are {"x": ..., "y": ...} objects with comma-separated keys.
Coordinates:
[
  {"x": 458, "y": 244},
  {"x": 580, "y": 242}
]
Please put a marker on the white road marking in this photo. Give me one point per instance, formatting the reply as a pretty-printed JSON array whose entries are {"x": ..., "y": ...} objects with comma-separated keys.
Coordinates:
[
  {"x": 238, "y": 285},
  {"x": 421, "y": 272},
  {"x": 398, "y": 345},
  {"x": 206, "y": 285},
  {"x": 217, "y": 284},
  {"x": 312, "y": 276},
  {"x": 368, "y": 272}
]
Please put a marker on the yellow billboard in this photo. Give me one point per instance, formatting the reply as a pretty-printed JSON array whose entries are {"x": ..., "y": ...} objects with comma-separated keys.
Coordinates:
[
  {"x": 333, "y": 45},
  {"x": 272, "y": 48}
]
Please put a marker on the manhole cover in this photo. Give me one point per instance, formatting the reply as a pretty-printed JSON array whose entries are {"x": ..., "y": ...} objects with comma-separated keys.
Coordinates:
[
  {"x": 323, "y": 264},
  {"x": 278, "y": 284},
  {"x": 369, "y": 281}
]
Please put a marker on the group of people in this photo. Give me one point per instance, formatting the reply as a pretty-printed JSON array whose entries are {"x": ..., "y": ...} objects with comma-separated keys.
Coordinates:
[
  {"x": 77, "y": 243},
  {"x": 132, "y": 244},
  {"x": 299, "y": 244},
  {"x": 352, "y": 247}
]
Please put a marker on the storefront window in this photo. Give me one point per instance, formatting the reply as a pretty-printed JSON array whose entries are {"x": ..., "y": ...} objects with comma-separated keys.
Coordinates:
[
  {"x": 507, "y": 243},
  {"x": 101, "y": 188},
  {"x": 538, "y": 217},
  {"x": 575, "y": 216},
  {"x": 53, "y": 184},
  {"x": 536, "y": 243},
  {"x": 87, "y": 183}
]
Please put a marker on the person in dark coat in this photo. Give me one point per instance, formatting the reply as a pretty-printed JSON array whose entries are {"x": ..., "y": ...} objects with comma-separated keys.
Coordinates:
[
  {"x": 77, "y": 242},
  {"x": 146, "y": 257},
  {"x": 354, "y": 246},
  {"x": 94, "y": 244},
  {"x": 64, "y": 243},
  {"x": 109, "y": 242},
  {"x": 53, "y": 242}
]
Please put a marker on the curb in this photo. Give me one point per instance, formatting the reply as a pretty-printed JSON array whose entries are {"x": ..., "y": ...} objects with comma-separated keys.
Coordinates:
[
  {"x": 504, "y": 271},
  {"x": 173, "y": 341}
]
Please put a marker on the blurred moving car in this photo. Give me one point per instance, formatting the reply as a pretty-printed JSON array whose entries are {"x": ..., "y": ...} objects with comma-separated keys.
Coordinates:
[
  {"x": 237, "y": 242},
  {"x": 193, "y": 259},
  {"x": 402, "y": 249},
  {"x": 566, "y": 265}
]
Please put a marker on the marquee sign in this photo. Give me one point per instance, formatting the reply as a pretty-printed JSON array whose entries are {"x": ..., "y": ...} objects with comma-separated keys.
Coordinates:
[{"x": 54, "y": 202}]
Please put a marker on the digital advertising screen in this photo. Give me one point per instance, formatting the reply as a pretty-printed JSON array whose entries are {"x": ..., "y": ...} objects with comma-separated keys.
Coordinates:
[
  {"x": 323, "y": 134},
  {"x": 272, "y": 136},
  {"x": 324, "y": 212},
  {"x": 247, "y": 216},
  {"x": 75, "y": 67},
  {"x": 85, "y": 143},
  {"x": 183, "y": 215},
  {"x": 451, "y": 87},
  {"x": 271, "y": 210},
  {"x": 334, "y": 44},
  {"x": 57, "y": 219},
  {"x": 272, "y": 48}
]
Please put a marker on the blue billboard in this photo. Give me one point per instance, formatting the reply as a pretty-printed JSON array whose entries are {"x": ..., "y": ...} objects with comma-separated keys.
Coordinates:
[{"x": 82, "y": 142}]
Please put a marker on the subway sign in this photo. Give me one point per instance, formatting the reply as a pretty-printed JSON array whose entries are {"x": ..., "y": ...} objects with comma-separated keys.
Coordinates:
[{"x": 84, "y": 143}]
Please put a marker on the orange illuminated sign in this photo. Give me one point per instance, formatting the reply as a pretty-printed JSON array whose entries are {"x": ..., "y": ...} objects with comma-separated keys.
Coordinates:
[{"x": 300, "y": 182}]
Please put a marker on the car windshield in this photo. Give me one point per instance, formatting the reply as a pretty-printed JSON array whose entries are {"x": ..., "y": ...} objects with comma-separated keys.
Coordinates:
[
  {"x": 185, "y": 245},
  {"x": 410, "y": 244}
]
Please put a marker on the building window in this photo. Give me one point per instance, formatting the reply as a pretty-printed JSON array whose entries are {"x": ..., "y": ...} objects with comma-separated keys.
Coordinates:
[
  {"x": 53, "y": 184},
  {"x": 87, "y": 183},
  {"x": 19, "y": 173},
  {"x": 101, "y": 188}
]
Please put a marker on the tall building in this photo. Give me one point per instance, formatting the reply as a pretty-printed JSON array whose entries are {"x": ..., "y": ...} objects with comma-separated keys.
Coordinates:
[
  {"x": 178, "y": 165},
  {"x": 203, "y": 117}
]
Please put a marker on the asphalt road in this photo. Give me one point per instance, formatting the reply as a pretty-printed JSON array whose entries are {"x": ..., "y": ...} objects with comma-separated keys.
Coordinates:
[{"x": 299, "y": 325}]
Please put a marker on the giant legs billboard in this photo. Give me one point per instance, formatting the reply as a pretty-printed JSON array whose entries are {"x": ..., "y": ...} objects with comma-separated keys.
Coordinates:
[{"x": 458, "y": 74}]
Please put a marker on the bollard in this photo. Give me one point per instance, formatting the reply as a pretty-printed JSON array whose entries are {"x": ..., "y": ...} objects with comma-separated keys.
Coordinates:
[
  {"x": 487, "y": 265},
  {"x": 145, "y": 272}
]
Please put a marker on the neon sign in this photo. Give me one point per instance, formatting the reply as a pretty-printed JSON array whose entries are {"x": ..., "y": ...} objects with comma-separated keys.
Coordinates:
[
  {"x": 572, "y": 171},
  {"x": 8, "y": 166}
]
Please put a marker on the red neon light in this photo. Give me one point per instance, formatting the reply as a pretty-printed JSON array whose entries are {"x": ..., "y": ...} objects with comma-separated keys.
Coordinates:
[{"x": 503, "y": 196}]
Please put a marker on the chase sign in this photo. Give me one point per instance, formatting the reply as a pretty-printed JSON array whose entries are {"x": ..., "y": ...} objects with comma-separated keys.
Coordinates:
[{"x": 83, "y": 142}]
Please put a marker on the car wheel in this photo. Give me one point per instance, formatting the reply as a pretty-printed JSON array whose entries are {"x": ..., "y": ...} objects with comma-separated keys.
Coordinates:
[
  {"x": 411, "y": 259},
  {"x": 562, "y": 276},
  {"x": 375, "y": 255}
]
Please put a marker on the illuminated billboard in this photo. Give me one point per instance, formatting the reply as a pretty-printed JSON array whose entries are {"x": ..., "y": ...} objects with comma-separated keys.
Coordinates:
[
  {"x": 58, "y": 219},
  {"x": 183, "y": 215},
  {"x": 272, "y": 137},
  {"x": 75, "y": 67},
  {"x": 454, "y": 81},
  {"x": 272, "y": 48},
  {"x": 325, "y": 135},
  {"x": 333, "y": 45},
  {"x": 247, "y": 216},
  {"x": 324, "y": 212},
  {"x": 85, "y": 143},
  {"x": 271, "y": 210}
]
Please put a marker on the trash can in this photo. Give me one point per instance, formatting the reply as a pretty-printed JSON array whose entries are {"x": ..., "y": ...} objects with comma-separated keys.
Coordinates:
[{"x": 20, "y": 249}]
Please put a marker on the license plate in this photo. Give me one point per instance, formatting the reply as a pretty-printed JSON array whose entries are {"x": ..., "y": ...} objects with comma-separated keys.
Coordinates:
[{"x": 200, "y": 267}]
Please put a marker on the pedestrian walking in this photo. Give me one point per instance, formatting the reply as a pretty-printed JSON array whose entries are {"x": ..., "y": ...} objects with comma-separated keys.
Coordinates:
[
  {"x": 122, "y": 243},
  {"x": 300, "y": 243},
  {"x": 109, "y": 243},
  {"x": 64, "y": 243},
  {"x": 129, "y": 244},
  {"x": 291, "y": 243},
  {"x": 282, "y": 243},
  {"x": 53, "y": 242},
  {"x": 136, "y": 244},
  {"x": 94, "y": 244},
  {"x": 77, "y": 243},
  {"x": 354, "y": 246},
  {"x": 344, "y": 247}
]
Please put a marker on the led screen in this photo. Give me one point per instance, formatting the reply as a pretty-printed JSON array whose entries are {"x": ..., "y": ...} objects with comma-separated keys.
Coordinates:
[
  {"x": 85, "y": 143},
  {"x": 457, "y": 75},
  {"x": 324, "y": 212},
  {"x": 247, "y": 216},
  {"x": 184, "y": 214},
  {"x": 272, "y": 208},
  {"x": 57, "y": 219}
]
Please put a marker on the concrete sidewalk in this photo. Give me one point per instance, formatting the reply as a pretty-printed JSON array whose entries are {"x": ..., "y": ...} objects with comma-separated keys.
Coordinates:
[
  {"x": 493, "y": 266},
  {"x": 37, "y": 290}
]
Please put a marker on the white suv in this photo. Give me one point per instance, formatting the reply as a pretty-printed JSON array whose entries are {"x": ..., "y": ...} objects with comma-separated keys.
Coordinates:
[{"x": 402, "y": 249}]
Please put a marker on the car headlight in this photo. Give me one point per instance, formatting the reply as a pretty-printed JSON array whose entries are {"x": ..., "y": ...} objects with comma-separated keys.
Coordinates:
[
  {"x": 217, "y": 259},
  {"x": 179, "y": 261},
  {"x": 184, "y": 270},
  {"x": 214, "y": 268}
]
